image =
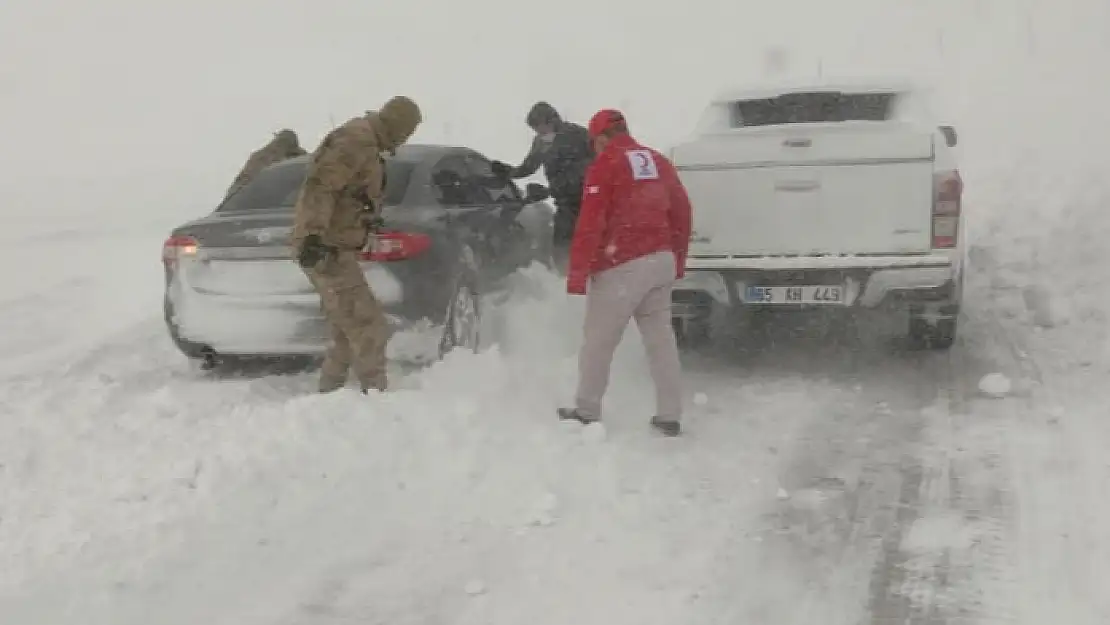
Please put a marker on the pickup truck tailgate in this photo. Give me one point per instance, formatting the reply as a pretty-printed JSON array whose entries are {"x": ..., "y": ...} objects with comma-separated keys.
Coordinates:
[{"x": 806, "y": 189}]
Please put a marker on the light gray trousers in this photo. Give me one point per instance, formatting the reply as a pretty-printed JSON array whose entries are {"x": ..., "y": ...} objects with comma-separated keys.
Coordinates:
[{"x": 639, "y": 289}]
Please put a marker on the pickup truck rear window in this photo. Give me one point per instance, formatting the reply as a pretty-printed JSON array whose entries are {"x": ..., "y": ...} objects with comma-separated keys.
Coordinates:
[{"x": 815, "y": 107}]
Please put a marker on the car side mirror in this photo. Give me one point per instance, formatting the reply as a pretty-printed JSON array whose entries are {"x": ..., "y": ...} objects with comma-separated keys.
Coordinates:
[
  {"x": 949, "y": 135},
  {"x": 536, "y": 192}
]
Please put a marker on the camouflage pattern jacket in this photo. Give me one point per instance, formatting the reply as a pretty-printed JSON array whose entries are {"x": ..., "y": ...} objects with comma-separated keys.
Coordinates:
[
  {"x": 283, "y": 146},
  {"x": 346, "y": 172}
]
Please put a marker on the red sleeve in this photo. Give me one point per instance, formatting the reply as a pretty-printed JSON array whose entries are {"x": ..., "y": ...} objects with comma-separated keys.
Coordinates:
[
  {"x": 680, "y": 215},
  {"x": 597, "y": 195}
]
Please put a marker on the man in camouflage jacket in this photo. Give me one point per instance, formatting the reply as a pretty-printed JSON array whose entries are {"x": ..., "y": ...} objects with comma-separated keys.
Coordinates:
[
  {"x": 284, "y": 145},
  {"x": 331, "y": 227}
]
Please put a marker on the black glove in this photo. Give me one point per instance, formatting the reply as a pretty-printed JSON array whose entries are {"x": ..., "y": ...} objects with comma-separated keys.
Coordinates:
[
  {"x": 363, "y": 197},
  {"x": 501, "y": 170},
  {"x": 312, "y": 251},
  {"x": 373, "y": 222}
]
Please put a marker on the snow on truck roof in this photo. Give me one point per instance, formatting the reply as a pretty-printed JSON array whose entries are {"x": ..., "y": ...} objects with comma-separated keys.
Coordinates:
[{"x": 765, "y": 90}]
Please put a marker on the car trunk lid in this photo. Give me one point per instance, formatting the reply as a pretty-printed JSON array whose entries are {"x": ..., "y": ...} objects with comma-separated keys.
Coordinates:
[{"x": 243, "y": 254}]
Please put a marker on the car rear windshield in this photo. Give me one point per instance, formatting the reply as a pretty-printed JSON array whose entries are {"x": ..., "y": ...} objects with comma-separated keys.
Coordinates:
[
  {"x": 803, "y": 108},
  {"x": 278, "y": 186}
]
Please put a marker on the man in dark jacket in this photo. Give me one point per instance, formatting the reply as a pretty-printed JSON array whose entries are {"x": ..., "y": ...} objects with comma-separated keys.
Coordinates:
[{"x": 565, "y": 152}]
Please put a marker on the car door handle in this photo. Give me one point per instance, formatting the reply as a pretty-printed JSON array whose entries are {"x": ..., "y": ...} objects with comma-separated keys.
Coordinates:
[{"x": 797, "y": 143}]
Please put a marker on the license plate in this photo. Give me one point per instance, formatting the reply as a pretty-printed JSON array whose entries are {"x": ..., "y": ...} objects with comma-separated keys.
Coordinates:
[{"x": 810, "y": 295}]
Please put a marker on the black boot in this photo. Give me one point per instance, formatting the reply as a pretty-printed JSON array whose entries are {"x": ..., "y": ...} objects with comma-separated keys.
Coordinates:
[
  {"x": 667, "y": 427},
  {"x": 571, "y": 414}
]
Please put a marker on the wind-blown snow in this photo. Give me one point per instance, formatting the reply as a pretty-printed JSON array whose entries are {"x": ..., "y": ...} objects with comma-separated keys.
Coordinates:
[
  {"x": 460, "y": 474},
  {"x": 132, "y": 486}
]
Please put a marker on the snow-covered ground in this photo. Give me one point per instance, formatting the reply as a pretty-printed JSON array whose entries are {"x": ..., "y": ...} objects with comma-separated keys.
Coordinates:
[{"x": 826, "y": 477}]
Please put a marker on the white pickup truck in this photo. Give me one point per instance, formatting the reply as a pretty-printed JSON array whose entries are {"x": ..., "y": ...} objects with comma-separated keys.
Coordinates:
[{"x": 841, "y": 195}]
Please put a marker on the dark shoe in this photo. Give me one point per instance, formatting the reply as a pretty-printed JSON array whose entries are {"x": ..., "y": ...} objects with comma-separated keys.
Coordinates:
[
  {"x": 571, "y": 414},
  {"x": 666, "y": 427}
]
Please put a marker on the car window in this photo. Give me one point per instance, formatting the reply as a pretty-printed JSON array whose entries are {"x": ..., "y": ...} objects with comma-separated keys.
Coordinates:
[
  {"x": 500, "y": 190},
  {"x": 803, "y": 108},
  {"x": 273, "y": 187},
  {"x": 277, "y": 187},
  {"x": 453, "y": 183}
]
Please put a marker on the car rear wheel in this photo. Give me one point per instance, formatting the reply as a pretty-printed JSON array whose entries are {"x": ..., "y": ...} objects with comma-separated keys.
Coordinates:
[{"x": 462, "y": 322}]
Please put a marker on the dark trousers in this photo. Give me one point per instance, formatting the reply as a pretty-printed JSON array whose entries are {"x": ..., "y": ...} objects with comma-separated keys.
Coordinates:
[{"x": 566, "y": 216}]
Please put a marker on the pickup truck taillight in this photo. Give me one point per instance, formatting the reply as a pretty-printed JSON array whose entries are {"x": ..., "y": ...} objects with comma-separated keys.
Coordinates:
[
  {"x": 387, "y": 246},
  {"x": 177, "y": 246},
  {"x": 948, "y": 190}
]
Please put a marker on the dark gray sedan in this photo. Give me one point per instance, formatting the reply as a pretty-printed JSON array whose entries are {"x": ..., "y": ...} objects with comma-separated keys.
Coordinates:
[{"x": 452, "y": 233}]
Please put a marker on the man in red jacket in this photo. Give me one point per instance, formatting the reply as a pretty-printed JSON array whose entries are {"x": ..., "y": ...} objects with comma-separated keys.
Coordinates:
[{"x": 629, "y": 247}]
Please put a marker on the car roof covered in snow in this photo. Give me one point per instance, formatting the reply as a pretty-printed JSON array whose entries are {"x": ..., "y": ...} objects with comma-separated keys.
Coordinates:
[
  {"x": 771, "y": 89},
  {"x": 413, "y": 152}
]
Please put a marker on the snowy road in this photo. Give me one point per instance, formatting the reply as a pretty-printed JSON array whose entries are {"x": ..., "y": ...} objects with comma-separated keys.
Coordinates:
[
  {"x": 811, "y": 466},
  {"x": 839, "y": 482}
]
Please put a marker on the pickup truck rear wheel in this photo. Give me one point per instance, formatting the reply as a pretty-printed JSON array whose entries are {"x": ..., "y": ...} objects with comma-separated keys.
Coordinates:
[
  {"x": 924, "y": 335},
  {"x": 691, "y": 333}
]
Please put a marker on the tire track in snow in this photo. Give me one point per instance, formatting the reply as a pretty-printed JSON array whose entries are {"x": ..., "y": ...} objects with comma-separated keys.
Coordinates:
[
  {"x": 946, "y": 560},
  {"x": 842, "y": 474}
]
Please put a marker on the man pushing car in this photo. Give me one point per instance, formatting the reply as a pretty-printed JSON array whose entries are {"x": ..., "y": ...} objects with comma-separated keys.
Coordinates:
[
  {"x": 331, "y": 225},
  {"x": 563, "y": 149}
]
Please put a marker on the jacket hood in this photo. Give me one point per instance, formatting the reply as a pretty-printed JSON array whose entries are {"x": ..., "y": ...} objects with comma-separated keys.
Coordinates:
[
  {"x": 287, "y": 140},
  {"x": 397, "y": 121}
]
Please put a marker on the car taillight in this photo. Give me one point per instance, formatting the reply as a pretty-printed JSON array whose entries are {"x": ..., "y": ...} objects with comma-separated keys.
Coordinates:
[
  {"x": 948, "y": 192},
  {"x": 387, "y": 246},
  {"x": 176, "y": 247}
]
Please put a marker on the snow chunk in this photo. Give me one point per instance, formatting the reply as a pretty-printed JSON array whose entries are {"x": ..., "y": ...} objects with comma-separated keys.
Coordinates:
[
  {"x": 701, "y": 399},
  {"x": 475, "y": 587},
  {"x": 995, "y": 385},
  {"x": 937, "y": 533},
  {"x": 782, "y": 494}
]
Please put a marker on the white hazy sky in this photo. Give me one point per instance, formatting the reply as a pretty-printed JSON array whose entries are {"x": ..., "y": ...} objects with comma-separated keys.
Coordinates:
[{"x": 127, "y": 92}]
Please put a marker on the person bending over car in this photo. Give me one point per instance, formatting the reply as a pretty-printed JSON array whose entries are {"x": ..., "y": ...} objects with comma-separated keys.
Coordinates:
[
  {"x": 630, "y": 246},
  {"x": 284, "y": 145},
  {"x": 331, "y": 225},
  {"x": 563, "y": 149}
]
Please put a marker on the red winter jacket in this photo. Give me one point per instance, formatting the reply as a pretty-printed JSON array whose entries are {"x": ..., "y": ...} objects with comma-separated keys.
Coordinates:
[{"x": 633, "y": 205}]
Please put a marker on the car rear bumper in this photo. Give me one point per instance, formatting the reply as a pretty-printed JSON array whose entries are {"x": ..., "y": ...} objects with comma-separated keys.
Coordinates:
[
  {"x": 261, "y": 332},
  {"x": 928, "y": 280}
]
